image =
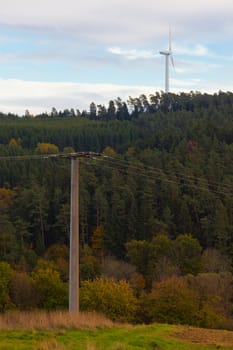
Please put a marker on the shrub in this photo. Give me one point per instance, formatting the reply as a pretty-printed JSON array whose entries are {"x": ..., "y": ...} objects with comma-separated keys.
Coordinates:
[
  {"x": 46, "y": 148},
  {"x": 89, "y": 267},
  {"x": 211, "y": 318},
  {"x": 51, "y": 292},
  {"x": 138, "y": 283},
  {"x": 5, "y": 277},
  {"x": 172, "y": 301},
  {"x": 114, "y": 299},
  {"x": 22, "y": 291},
  {"x": 138, "y": 253},
  {"x": 117, "y": 269},
  {"x": 215, "y": 295},
  {"x": 213, "y": 260},
  {"x": 59, "y": 255}
]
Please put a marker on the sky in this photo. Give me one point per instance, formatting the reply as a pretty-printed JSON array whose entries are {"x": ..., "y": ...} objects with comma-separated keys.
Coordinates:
[{"x": 69, "y": 53}]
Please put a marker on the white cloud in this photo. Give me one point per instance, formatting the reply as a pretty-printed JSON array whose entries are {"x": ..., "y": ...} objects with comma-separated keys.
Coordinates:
[
  {"x": 17, "y": 95},
  {"x": 107, "y": 40},
  {"x": 132, "y": 54},
  {"x": 70, "y": 10},
  {"x": 197, "y": 50},
  {"x": 184, "y": 84},
  {"x": 199, "y": 67},
  {"x": 120, "y": 20},
  {"x": 37, "y": 97}
]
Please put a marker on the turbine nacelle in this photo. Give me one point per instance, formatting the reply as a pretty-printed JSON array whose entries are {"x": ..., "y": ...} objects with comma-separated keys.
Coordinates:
[{"x": 167, "y": 54}]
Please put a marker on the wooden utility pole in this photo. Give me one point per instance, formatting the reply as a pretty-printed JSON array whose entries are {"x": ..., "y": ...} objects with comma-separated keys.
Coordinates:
[
  {"x": 74, "y": 227},
  {"x": 74, "y": 237}
]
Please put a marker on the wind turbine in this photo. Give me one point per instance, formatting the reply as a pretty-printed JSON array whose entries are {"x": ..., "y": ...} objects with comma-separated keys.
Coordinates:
[{"x": 168, "y": 57}]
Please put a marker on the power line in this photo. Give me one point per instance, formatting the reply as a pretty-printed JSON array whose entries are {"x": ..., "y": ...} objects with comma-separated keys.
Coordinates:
[
  {"x": 112, "y": 160},
  {"x": 180, "y": 176},
  {"x": 162, "y": 171},
  {"x": 52, "y": 156},
  {"x": 145, "y": 171},
  {"x": 156, "y": 175}
]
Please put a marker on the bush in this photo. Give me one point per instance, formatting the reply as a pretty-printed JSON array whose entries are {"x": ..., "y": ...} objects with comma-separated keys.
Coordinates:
[
  {"x": 51, "y": 292},
  {"x": 213, "y": 260},
  {"x": 89, "y": 267},
  {"x": 171, "y": 301},
  {"x": 59, "y": 255},
  {"x": 182, "y": 300},
  {"x": 215, "y": 295},
  {"x": 22, "y": 291},
  {"x": 117, "y": 269},
  {"x": 211, "y": 318},
  {"x": 5, "y": 277},
  {"x": 114, "y": 299}
]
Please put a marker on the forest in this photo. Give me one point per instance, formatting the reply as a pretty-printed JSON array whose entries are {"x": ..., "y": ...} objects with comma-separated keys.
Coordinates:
[{"x": 156, "y": 213}]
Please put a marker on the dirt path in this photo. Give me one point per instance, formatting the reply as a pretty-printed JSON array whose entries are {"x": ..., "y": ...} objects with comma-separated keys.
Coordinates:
[{"x": 205, "y": 336}]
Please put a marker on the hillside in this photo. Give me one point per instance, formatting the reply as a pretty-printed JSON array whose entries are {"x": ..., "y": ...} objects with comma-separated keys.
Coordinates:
[{"x": 155, "y": 213}]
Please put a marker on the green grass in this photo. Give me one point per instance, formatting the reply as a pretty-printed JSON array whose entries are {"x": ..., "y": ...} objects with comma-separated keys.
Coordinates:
[{"x": 155, "y": 337}]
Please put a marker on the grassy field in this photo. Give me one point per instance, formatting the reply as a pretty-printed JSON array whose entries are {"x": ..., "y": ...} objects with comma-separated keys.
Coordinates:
[{"x": 93, "y": 332}]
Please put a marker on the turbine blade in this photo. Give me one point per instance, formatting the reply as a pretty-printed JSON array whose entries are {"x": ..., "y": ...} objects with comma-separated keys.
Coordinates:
[
  {"x": 172, "y": 61},
  {"x": 170, "y": 40}
]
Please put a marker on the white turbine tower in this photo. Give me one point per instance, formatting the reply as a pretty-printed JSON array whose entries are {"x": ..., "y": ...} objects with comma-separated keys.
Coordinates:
[{"x": 168, "y": 57}]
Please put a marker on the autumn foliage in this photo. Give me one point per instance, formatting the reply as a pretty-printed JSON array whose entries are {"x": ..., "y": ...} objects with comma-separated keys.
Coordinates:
[
  {"x": 114, "y": 299},
  {"x": 156, "y": 219}
]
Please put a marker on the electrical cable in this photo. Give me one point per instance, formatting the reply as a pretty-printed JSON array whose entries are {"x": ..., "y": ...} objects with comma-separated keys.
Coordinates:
[
  {"x": 145, "y": 171},
  {"x": 154, "y": 176}
]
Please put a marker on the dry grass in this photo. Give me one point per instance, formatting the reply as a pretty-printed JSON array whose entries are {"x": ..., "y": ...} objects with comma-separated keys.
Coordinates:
[
  {"x": 58, "y": 320},
  {"x": 204, "y": 336},
  {"x": 90, "y": 347},
  {"x": 117, "y": 346},
  {"x": 49, "y": 345},
  {"x": 54, "y": 345}
]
